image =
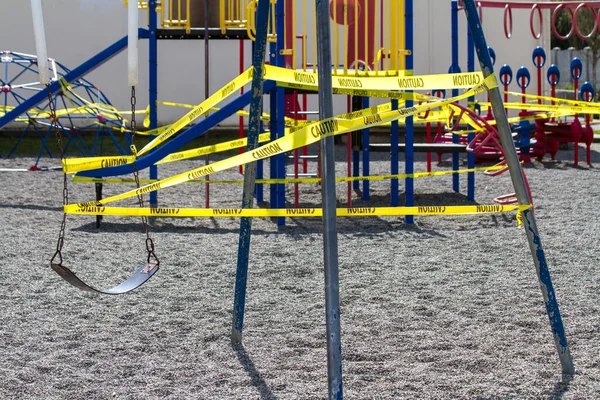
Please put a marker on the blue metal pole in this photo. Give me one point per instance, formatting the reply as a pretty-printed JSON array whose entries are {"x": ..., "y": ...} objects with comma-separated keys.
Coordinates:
[
  {"x": 366, "y": 195},
  {"x": 455, "y": 68},
  {"x": 280, "y": 158},
  {"x": 260, "y": 170},
  {"x": 241, "y": 278},
  {"x": 356, "y": 104},
  {"x": 516, "y": 174},
  {"x": 394, "y": 158},
  {"x": 410, "y": 128},
  {"x": 471, "y": 136},
  {"x": 83, "y": 69},
  {"x": 153, "y": 91},
  {"x": 273, "y": 103}
]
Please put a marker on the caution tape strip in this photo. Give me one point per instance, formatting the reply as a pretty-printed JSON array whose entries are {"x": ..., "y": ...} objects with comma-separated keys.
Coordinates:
[
  {"x": 303, "y": 137},
  {"x": 74, "y": 165},
  {"x": 310, "y": 80},
  {"x": 560, "y": 110},
  {"x": 292, "y": 212},
  {"x": 200, "y": 109},
  {"x": 555, "y": 99},
  {"x": 416, "y": 175}
]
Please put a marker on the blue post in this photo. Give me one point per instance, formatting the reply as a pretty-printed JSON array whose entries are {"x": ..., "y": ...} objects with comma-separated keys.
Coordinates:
[
  {"x": 153, "y": 92},
  {"x": 410, "y": 129},
  {"x": 471, "y": 136},
  {"x": 366, "y": 195},
  {"x": 260, "y": 171},
  {"x": 241, "y": 277},
  {"x": 280, "y": 158},
  {"x": 356, "y": 104},
  {"x": 273, "y": 132},
  {"x": 455, "y": 68},
  {"x": 394, "y": 159},
  {"x": 516, "y": 174}
]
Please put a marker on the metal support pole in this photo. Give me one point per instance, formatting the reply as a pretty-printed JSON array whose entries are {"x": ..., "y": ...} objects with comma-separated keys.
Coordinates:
[
  {"x": 516, "y": 174},
  {"x": 471, "y": 136},
  {"x": 409, "y": 161},
  {"x": 153, "y": 85},
  {"x": 330, "y": 245},
  {"x": 258, "y": 60},
  {"x": 206, "y": 95},
  {"x": 394, "y": 157},
  {"x": 455, "y": 68},
  {"x": 366, "y": 195},
  {"x": 280, "y": 118}
]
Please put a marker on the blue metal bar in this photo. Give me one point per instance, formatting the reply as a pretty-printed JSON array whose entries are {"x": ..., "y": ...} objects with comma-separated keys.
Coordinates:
[
  {"x": 366, "y": 195},
  {"x": 410, "y": 128},
  {"x": 260, "y": 171},
  {"x": 280, "y": 120},
  {"x": 518, "y": 180},
  {"x": 254, "y": 125},
  {"x": 394, "y": 158},
  {"x": 471, "y": 136},
  {"x": 153, "y": 87},
  {"x": 173, "y": 145},
  {"x": 78, "y": 72},
  {"x": 273, "y": 103}
]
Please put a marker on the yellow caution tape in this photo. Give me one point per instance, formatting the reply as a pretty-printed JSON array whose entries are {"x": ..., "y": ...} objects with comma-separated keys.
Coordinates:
[
  {"x": 562, "y": 109},
  {"x": 556, "y": 100},
  {"x": 305, "y": 136},
  {"x": 216, "y": 148},
  {"x": 85, "y": 179},
  {"x": 310, "y": 80},
  {"x": 74, "y": 165},
  {"x": 200, "y": 109},
  {"x": 291, "y": 212}
]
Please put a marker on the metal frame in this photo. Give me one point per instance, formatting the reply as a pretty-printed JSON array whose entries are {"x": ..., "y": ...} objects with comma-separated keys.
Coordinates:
[{"x": 518, "y": 180}]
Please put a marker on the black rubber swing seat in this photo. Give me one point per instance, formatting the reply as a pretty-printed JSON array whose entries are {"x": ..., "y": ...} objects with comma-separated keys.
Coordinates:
[{"x": 136, "y": 280}]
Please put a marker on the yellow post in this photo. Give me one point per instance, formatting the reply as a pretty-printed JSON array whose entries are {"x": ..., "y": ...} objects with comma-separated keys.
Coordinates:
[
  {"x": 336, "y": 39},
  {"x": 367, "y": 31},
  {"x": 355, "y": 19},
  {"x": 402, "y": 34},
  {"x": 393, "y": 49},
  {"x": 304, "y": 37},
  {"x": 293, "y": 41}
]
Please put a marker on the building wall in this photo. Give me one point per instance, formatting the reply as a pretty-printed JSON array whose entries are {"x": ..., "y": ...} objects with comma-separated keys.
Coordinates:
[{"x": 78, "y": 29}]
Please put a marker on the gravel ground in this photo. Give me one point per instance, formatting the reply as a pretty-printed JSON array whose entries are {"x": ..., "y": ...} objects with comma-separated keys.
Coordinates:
[{"x": 448, "y": 308}]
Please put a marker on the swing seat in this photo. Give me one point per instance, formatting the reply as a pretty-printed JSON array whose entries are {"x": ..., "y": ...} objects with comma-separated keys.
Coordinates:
[{"x": 136, "y": 280}]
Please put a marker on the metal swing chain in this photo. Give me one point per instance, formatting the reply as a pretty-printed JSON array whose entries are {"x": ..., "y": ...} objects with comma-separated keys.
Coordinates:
[
  {"x": 133, "y": 128},
  {"x": 61, "y": 234}
]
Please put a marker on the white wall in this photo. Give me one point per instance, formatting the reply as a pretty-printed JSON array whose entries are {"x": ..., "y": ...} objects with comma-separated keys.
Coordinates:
[{"x": 78, "y": 29}]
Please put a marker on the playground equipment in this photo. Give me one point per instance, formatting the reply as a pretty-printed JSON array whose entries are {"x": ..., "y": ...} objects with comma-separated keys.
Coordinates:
[
  {"x": 276, "y": 79},
  {"x": 552, "y": 128},
  {"x": 81, "y": 107}
]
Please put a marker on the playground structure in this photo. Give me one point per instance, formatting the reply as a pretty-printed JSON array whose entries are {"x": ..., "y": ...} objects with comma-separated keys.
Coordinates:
[
  {"x": 364, "y": 79},
  {"x": 549, "y": 126},
  {"x": 84, "y": 107}
]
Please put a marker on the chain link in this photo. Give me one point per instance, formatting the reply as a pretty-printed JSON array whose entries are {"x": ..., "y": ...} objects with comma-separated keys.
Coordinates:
[
  {"x": 61, "y": 234},
  {"x": 152, "y": 258}
]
